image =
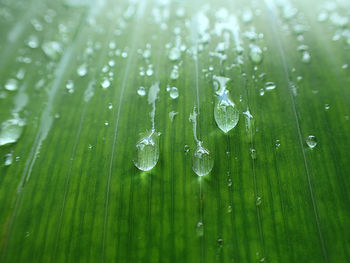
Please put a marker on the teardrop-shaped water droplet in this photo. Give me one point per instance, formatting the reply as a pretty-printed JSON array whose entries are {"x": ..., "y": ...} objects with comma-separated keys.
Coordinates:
[
  {"x": 147, "y": 152},
  {"x": 11, "y": 130},
  {"x": 174, "y": 54},
  {"x": 200, "y": 229},
  {"x": 255, "y": 54},
  {"x": 226, "y": 113},
  {"x": 174, "y": 73},
  {"x": 141, "y": 91},
  {"x": 82, "y": 70},
  {"x": 311, "y": 141},
  {"x": 174, "y": 93},
  {"x": 202, "y": 161},
  {"x": 8, "y": 159},
  {"x": 11, "y": 85}
]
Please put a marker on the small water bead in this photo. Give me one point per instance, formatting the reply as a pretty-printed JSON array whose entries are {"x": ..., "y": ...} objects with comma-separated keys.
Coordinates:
[
  {"x": 20, "y": 73},
  {"x": 253, "y": 153},
  {"x": 174, "y": 54},
  {"x": 186, "y": 148},
  {"x": 277, "y": 143},
  {"x": 229, "y": 209},
  {"x": 306, "y": 57},
  {"x": 106, "y": 123},
  {"x": 311, "y": 141},
  {"x": 226, "y": 114},
  {"x": 258, "y": 201},
  {"x": 172, "y": 115},
  {"x": 141, "y": 91},
  {"x": 219, "y": 242},
  {"x": 174, "y": 73},
  {"x": 110, "y": 106},
  {"x": 174, "y": 93},
  {"x": 111, "y": 63},
  {"x": 326, "y": 107},
  {"x": 32, "y": 41},
  {"x": 261, "y": 92},
  {"x": 11, "y": 85},
  {"x": 82, "y": 70},
  {"x": 105, "y": 83},
  {"x": 255, "y": 54},
  {"x": 270, "y": 86},
  {"x": 52, "y": 49},
  {"x": 229, "y": 182},
  {"x": 147, "y": 152},
  {"x": 11, "y": 130},
  {"x": 8, "y": 159},
  {"x": 149, "y": 71},
  {"x": 202, "y": 161},
  {"x": 200, "y": 229},
  {"x": 70, "y": 86}
]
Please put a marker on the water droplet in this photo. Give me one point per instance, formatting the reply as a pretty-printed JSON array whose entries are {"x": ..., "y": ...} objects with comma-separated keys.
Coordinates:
[
  {"x": 149, "y": 71},
  {"x": 174, "y": 73},
  {"x": 106, "y": 123},
  {"x": 174, "y": 93},
  {"x": 226, "y": 113},
  {"x": 20, "y": 73},
  {"x": 270, "y": 86},
  {"x": 229, "y": 209},
  {"x": 326, "y": 107},
  {"x": 306, "y": 57},
  {"x": 82, "y": 70},
  {"x": 141, "y": 91},
  {"x": 11, "y": 130},
  {"x": 32, "y": 41},
  {"x": 70, "y": 86},
  {"x": 147, "y": 152},
  {"x": 110, "y": 106},
  {"x": 258, "y": 201},
  {"x": 200, "y": 229},
  {"x": 8, "y": 159},
  {"x": 52, "y": 49},
  {"x": 255, "y": 54},
  {"x": 202, "y": 161},
  {"x": 172, "y": 115},
  {"x": 186, "y": 148},
  {"x": 105, "y": 83},
  {"x": 11, "y": 85},
  {"x": 277, "y": 143},
  {"x": 253, "y": 153},
  {"x": 219, "y": 242},
  {"x": 261, "y": 92},
  {"x": 174, "y": 54},
  {"x": 311, "y": 141},
  {"x": 229, "y": 182}
]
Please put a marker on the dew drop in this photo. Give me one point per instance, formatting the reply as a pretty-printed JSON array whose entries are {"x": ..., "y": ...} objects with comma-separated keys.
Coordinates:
[
  {"x": 186, "y": 148},
  {"x": 219, "y": 242},
  {"x": 105, "y": 83},
  {"x": 32, "y": 41},
  {"x": 8, "y": 159},
  {"x": 229, "y": 209},
  {"x": 147, "y": 152},
  {"x": 174, "y": 93},
  {"x": 258, "y": 201},
  {"x": 174, "y": 73},
  {"x": 174, "y": 54},
  {"x": 11, "y": 130},
  {"x": 226, "y": 113},
  {"x": 11, "y": 85},
  {"x": 253, "y": 153},
  {"x": 200, "y": 229},
  {"x": 82, "y": 70},
  {"x": 326, "y": 107},
  {"x": 52, "y": 49},
  {"x": 172, "y": 115},
  {"x": 270, "y": 86},
  {"x": 306, "y": 57},
  {"x": 202, "y": 162},
  {"x": 255, "y": 54},
  {"x": 70, "y": 86},
  {"x": 141, "y": 91},
  {"x": 311, "y": 141}
]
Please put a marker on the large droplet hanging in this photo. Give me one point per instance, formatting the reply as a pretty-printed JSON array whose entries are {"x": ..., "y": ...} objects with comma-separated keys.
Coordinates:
[
  {"x": 147, "y": 152},
  {"x": 226, "y": 113},
  {"x": 202, "y": 161}
]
